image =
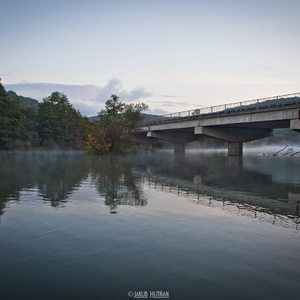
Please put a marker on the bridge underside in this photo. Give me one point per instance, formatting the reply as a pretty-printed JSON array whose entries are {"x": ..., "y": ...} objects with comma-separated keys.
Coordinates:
[{"x": 234, "y": 136}]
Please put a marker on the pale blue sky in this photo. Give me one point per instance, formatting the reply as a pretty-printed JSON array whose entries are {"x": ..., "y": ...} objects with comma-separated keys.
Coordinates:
[{"x": 173, "y": 55}]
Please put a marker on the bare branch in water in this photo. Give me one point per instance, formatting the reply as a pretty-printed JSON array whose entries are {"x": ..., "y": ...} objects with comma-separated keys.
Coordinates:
[{"x": 279, "y": 151}]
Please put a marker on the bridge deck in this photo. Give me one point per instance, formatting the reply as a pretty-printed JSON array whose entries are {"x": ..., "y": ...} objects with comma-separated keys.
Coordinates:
[{"x": 261, "y": 105}]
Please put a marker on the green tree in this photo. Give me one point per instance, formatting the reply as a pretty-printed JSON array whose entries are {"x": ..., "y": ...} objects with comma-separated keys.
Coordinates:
[
  {"x": 120, "y": 121},
  {"x": 59, "y": 122},
  {"x": 10, "y": 121},
  {"x": 30, "y": 136}
]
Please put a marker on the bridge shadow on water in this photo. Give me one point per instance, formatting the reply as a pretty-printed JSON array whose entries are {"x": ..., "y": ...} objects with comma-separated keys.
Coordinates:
[{"x": 265, "y": 188}]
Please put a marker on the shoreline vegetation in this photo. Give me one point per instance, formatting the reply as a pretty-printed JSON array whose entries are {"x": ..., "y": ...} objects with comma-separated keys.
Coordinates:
[{"x": 53, "y": 124}]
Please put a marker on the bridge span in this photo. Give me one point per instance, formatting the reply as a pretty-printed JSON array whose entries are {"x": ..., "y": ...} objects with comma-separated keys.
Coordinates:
[{"x": 234, "y": 123}]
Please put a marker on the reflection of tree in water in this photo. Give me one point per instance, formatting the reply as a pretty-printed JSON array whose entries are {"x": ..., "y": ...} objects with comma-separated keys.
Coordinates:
[
  {"x": 55, "y": 174},
  {"x": 61, "y": 175},
  {"x": 116, "y": 182},
  {"x": 13, "y": 178}
]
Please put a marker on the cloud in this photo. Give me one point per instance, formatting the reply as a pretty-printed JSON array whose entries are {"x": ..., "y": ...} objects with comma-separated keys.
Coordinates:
[
  {"x": 168, "y": 96},
  {"x": 169, "y": 103},
  {"x": 88, "y": 99},
  {"x": 9, "y": 74},
  {"x": 114, "y": 86}
]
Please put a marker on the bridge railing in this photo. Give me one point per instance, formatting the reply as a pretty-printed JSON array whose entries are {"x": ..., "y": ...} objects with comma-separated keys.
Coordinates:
[{"x": 228, "y": 108}]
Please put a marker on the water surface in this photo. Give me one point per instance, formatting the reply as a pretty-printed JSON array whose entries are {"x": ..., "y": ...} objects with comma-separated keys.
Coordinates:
[{"x": 198, "y": 226}]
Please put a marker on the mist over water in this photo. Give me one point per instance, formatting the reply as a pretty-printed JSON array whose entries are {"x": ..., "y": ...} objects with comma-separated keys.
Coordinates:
[{"x": 199, "y": 226}]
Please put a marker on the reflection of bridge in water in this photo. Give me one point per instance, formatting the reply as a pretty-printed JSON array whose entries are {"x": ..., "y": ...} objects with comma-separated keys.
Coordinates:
[
  {"x": 264, "y": 207},
  {"x": 234, "y": 123}
]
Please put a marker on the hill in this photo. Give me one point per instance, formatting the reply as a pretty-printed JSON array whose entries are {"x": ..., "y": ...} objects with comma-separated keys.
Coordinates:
[{"x": 24, "y": 101}]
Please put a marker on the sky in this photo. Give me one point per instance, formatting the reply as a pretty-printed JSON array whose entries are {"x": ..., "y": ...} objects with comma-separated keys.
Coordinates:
[{"x": 173, "y": 55}]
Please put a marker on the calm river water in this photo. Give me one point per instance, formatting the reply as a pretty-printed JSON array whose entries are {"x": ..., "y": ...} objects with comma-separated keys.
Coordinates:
[{"x": 151, "y": 225}]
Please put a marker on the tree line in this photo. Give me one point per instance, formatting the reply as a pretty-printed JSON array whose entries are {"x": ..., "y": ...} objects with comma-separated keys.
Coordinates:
[{"x": 56, "y": 124}]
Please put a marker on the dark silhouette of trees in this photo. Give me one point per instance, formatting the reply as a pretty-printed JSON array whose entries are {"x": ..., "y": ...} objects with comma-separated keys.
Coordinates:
[
  {"x": 10, "y": 121},
  {"x": 121, "y": 121},
  {"x": 59, "y": 123},
  {"x": 113, "y": 133}
]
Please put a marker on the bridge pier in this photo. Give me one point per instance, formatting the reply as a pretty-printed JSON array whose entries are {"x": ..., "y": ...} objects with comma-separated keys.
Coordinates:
[
  {"x": 295, "y": 124},
  {"x": 235, "y": 149}
]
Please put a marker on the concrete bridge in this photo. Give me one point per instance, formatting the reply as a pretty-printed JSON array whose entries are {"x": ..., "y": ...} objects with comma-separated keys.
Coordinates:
[{"x": 234, "y": 123}]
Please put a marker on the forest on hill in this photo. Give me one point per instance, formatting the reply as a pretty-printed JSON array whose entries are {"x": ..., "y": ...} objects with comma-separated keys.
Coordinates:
[{"x": 54, "y": 123}]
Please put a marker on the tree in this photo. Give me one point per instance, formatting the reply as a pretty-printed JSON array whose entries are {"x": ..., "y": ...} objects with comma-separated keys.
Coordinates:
[
  {"x": 29, "y": 133},
  {"x": 59, "y": 122},
  {"x": 10, "y": 120},
  {"x": 96, "y": 141},
  {"x": 120, "y": 121}
]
